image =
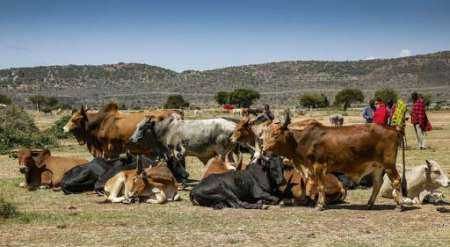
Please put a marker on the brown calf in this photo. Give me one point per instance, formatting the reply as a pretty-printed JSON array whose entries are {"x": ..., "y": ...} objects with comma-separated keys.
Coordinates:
[{"x": 219, "y": 164}]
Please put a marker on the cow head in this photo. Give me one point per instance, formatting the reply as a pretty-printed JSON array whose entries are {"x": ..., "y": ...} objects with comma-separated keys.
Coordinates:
[
  {"x": 137, "y": 184},
  {"x": 273, "y": 167},
  {"x": 176, "y": 161},
  {"x": 77, "y": 125},
  {"x": 243, "y": 132},
  {"x": 143, "y": 129},
  {"x": 435, "y": 174},
  {"x": 31, "y": 160},
  {"x": 275, "y": 137}
]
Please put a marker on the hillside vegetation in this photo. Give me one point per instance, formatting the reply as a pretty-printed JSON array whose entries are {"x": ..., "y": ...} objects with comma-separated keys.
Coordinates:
[{"x": 278, "y": 83}]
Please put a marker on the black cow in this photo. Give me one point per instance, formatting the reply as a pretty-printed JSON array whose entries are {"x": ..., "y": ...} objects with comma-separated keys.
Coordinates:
[{"x": 248, "y": 188}]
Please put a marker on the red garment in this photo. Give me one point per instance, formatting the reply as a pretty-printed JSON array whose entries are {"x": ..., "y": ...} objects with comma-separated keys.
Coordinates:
[
  {"x": 418, "y": 115},
  {"x": 381, "y": 114}
]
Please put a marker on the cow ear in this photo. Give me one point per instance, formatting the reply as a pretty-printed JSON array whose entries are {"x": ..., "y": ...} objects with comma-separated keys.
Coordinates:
[
  {"x": 40, "y": 158},
  {"x": 287, "y": 120},
  {"x": 429, "y": 165}
]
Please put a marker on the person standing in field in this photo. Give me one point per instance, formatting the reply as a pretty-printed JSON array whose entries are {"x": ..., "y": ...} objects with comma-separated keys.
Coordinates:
[
  {"x": 381, "y": 114},
  {"x": 368, "y": 112},
  {"x": 419, "y": 119}
]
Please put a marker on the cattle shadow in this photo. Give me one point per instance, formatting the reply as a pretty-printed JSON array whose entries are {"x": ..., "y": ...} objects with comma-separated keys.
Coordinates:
[{"x": 364, "y": 207}]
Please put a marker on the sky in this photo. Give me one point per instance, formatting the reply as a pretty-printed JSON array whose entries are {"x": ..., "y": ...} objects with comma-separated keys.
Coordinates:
[{"x": 200, "y": 35}]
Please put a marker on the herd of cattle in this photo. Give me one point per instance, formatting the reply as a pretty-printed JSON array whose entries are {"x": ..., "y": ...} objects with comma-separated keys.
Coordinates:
[{"x": 140, "y": 156}]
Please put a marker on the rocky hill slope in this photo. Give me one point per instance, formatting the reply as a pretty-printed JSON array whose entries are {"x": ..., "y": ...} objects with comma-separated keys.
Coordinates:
[{"x": 279, "y": 83}]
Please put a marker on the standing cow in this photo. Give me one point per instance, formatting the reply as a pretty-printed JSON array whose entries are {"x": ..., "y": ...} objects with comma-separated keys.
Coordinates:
[
  {"x": 203, "y": 139},
  {"x": 353, "y": 150}
]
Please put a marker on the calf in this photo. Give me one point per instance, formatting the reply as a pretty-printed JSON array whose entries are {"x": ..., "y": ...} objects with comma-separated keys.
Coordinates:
[
  {"x": 248, "y": 188},
  {"x": 43, "y": 170},
  {"x": 422, "y": 181},
  {"x": 301, "y": 191},
  {"x": 220, "y": 164},
  {"x": 155, "y": 184}
]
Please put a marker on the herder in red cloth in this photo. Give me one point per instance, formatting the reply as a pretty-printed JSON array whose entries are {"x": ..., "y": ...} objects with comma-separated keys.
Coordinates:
[
  {"x": 381, "y": 114},
  {"x": 419, "y": 119}
]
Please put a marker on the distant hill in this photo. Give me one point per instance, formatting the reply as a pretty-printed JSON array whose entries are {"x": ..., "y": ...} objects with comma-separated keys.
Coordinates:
[{"x": 279, "y": 82}]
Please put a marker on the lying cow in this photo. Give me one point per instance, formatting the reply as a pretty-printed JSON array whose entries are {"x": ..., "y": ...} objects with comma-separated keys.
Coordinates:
[
  {"x": 155, "y": 184},
  {"x": 300, "y": 191},
  {"x": 220, "y": 164},
  {"x": 352, "y": 150},
  {"x": 43, "y": 170},
  {"x": 422, "y": 181},
  {"x": 249, "y": 188},
  {"x": 200, "y": 138}
]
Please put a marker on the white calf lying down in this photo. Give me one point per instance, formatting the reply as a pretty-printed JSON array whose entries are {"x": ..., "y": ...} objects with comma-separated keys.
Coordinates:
[
  {"x": 155, "y": 184},
  {"x": 422, "y": 181}
]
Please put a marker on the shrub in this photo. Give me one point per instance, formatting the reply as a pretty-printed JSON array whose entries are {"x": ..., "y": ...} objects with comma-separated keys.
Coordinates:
[
  {"x": 314, "y": 100},
  {"x": 222, "y": 97},
  {"x": 386, "y": 94},
  {"x": 176, "y": 102},
  {"x": 348, "y": 96},
  {"x": 17, "y": 128},
  {"x": 57, "y": 128},
  {"x": 7, "y": 209},
  {"x": 5, "y": 99}
]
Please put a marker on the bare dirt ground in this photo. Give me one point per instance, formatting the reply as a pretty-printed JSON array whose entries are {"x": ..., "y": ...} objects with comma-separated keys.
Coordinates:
[{"x": 50, "y": 218}]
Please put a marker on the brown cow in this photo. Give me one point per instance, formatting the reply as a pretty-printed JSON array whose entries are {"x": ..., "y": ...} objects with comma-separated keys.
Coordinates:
[
  {"x": 353, "y": 150},
  {"x": 106, "y": 132},
  {"x": 220, "y": 164},
  {"x": 248, "y": 132},
  {"x": 41, "y": 169},
  {"x": 300, "y": 191},
  {"x": 156, "y": 184}
]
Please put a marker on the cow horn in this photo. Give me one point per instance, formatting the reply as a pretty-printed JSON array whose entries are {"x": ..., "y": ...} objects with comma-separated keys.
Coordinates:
[
  {"x": 287, "y": 119},
  {"x": 428, "y": 163}
]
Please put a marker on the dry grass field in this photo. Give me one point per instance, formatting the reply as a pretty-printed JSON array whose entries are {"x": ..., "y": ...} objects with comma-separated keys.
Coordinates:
[{"x": 52, "y": 219}]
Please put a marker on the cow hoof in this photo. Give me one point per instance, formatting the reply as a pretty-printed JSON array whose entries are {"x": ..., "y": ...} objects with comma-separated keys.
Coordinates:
[
  {"x": 320, "y": 208},
  {"x": 265, "y": 207},
  {"x": 23, "y": 185}
]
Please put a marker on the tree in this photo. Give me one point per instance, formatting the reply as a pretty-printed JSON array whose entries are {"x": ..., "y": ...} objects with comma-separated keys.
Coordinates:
[
  {"x": 243, "y": 97},
  {"x": 239, "y": 97},
  {"x": 314, "y": 100},
  {"x": 386, "y": 94},
  {"x": 5, "y": 99},
  {"x": 348, "y": 96},
  {"x": 44, "y": 103},
  {"x": 176, "y": 102},
  {"x": 222, "y": 97},
  {"x": 427, "y": 99}
]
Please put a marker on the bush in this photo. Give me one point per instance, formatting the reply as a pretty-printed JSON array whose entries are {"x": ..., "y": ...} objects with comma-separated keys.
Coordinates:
[
  {"x": 176, "y": 102},
  {"x": 7, "y": 210},
  {"x": 17, "y": 129},
  {"x": 57, "y": 129},
  {"x": 313, "y": 100},
  {"x": 386, "y": 94},
  {"x": 5, "y": 99},
  {"x": 348, "y": 96}
]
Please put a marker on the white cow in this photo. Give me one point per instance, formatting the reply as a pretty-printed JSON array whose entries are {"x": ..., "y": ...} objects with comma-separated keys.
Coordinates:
[
  {"x": 422, "y": 181},
  {"x": 203, "y": 139}
]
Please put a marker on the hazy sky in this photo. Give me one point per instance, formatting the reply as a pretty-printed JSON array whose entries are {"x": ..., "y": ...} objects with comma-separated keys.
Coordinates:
[{"x": 201, "y": 35}]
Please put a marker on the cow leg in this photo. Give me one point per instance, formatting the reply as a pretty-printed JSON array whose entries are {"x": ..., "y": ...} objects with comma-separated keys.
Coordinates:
[
  {"x": 377, "y": 176},
  {"x": 115, "y": 191},
  {"x": 319, "y": 175},
  {"x": 396, "y": 185},
  {"x": 159, "y": 195}
]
